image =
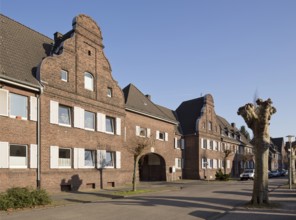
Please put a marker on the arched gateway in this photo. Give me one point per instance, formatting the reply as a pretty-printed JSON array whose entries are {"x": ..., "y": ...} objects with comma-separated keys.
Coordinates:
[{"x": 152, "y": 168}]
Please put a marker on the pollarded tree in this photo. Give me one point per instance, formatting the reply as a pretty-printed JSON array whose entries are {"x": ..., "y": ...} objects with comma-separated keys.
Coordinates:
[
  {"x": 257, "y": 118},
  {"x": 136, "y": 146}
]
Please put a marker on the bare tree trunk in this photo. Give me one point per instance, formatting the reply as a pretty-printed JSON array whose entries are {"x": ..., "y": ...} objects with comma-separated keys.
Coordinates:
[
  {"x": 225, "y": 166},
  {"x": 257, "y": 118},
  {"x": 135, "y": 173},
  {"x": 260, "y": 188}
]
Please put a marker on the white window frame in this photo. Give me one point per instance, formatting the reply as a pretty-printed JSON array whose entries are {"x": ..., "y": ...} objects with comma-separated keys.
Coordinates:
[
  {"x": 93, "y": 155},
  {"x": 204, "y": 160},
  {"x": 10, "y": 107},
  {"x": 109, "y": 92},
  {"x": 62, "y": 74},
  {"x": 88, "y": 81},
  {"x": 11, "y": 158},
  {"x": 85, "y": 121},
  {"x": 69, "y": 109},
  {"x": 112, "y": 120},
  {"x": 61, "y": 161},
  {"x": 178, "y": 163},
  {"x": 4, "y": 104}
]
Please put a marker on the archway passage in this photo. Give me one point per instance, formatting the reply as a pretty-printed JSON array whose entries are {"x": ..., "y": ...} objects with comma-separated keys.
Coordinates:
[{"x": 152, "y": 168}]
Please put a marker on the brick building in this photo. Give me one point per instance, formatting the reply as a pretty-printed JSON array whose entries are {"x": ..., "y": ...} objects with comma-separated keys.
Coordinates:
[{"x": 207, "y": 137}]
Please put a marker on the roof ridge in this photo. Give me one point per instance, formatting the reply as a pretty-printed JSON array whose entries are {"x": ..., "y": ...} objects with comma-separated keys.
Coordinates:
[{"x": 37, "y": 32}]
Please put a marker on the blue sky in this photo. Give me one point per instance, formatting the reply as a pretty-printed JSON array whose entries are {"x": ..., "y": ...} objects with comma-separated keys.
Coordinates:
[{"x": 179, "y": 50}]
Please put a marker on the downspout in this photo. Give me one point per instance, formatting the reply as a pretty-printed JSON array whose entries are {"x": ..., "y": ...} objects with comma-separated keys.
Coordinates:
[{"x": 38, "y": 142}]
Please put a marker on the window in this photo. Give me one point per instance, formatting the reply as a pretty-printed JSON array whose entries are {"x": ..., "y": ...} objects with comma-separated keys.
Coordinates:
[
  {"x": 211, "y": 165},
  {"x": 109, "y": 92},
  {"x": 204, "y": 144},
  {"x": 64, "y": 115},
  {"x": 89, "y": 158},
  {"x": 18, "y": 106},
  {"x": 88, "y": 81},
  {"x": 211, "y": 145},
  {"x": 163, "y": 136},
  {"x": 143, "y": 132},
  {"x": 110, "y": 159},
  {"x": 110, "y": 124},
  {"x": 210, "y": 126},
  {"x": 64, "y": 75},
  {"x": 18, "y": 156},
  {"x": 215, "y": 145},
  {"x": 204, "y": 163},
  {"x": 89, "y": 120},
  {"x": 178, "y": 163},
  {"x": 65, "y": 158}
]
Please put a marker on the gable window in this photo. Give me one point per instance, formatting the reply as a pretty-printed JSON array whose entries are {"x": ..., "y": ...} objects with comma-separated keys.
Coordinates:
[
  {"x": 88, "y": 81},
  {"x": 64, "y": 75},
  {"x": 89, "y": 120},
  {"x": 109, "y": 92},
  {"x": 210, "y": 126},
  {"x": 64, "y": 115},
  {"x": 18, "y": 106},
  {"x": 163, "y": 136},
  {"x": 110, "y": 156},
  {"x": 143, "y": 132},
  {"x": 18, "y": 156},
  {"x": 89, "y": 158},
  {"x": 65, "y": 158},
  {"x": 110, "y": 124}
]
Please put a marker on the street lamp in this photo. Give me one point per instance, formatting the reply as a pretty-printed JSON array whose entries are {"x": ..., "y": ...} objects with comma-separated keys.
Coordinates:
[{"x": 290, "y": 137}]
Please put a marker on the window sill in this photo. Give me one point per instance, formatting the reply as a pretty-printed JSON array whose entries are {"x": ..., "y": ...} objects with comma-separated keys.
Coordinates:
[
  {"x": 108, "y": 132},
  {"x": 18, "y": 167},
  {"x": 65, "y": 125},
  {"x": 89, "y": 129},
  {"x": 18, "y": 117},
  {"x": 60, "y": 167}
]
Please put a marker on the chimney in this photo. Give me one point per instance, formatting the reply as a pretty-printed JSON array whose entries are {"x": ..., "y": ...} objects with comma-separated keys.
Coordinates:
[
  {"x": 57, "y": 36},
  {"x": 148, "y": 97},
  {"x": 233, "y": 124}
]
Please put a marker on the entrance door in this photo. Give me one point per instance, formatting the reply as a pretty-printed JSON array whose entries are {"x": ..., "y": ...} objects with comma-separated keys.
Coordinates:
[{"x": 152, "y": 168}]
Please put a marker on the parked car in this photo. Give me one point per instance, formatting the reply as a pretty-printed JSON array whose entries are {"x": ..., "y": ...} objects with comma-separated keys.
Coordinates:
[
  {"x": 275, "y": 173},
  {"x": 284, "y": 172},
  {"x": 247, "y": 174}
]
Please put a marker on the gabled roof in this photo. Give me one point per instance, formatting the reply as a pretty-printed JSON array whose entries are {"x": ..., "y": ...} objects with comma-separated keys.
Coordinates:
[
  {"x": 22, "y": 50},
  {"x": 188, "y": 112},
  {"x": 137, "y": 102},
  {"x": 278, "y": 142}
]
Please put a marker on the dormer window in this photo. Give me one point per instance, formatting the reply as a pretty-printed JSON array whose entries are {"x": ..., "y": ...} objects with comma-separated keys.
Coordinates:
[{"x": 88, "y": 81}]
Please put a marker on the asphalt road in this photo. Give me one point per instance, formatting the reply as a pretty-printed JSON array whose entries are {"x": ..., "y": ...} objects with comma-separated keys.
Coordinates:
[{"x": 196, "y": 200}]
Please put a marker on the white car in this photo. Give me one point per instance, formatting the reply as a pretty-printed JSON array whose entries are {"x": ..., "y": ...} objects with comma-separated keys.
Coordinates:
[{"x": 247, "y": 174}]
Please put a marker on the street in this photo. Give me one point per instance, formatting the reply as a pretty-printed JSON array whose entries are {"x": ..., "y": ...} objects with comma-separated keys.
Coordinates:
[{"x": 196, "y": 200}]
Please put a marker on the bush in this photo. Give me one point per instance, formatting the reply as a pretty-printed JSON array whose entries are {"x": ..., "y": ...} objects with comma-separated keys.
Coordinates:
[
  {"x": 221, "y": 176},
  {"x": 23, "y": 197}
]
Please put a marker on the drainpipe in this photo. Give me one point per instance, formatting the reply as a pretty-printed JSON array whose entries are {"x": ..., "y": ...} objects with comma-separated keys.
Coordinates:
[{"x": 38, "y": 142}]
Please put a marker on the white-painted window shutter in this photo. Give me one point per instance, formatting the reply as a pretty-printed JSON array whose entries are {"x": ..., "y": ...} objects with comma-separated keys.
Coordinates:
[
  {"x": 118, "y": 126},
  {"x": 54, "y": 157},
  {"x": 4, "y": 154},
  {"x": 118, "y": 160},
  {"x": 33, "y": 108},
  {"x": 81, "y": 157},
  {"x": 33, "y": 156},
  {"x": 78, "y": 158},
  {"x": 208, "y": 144},
  {"x": 101, "y": 158},
  {"x": 101, "y": 122},
  {"x": 215, "y": 164},
  {"x": 148, "y": 132},
  {"x": 78, "y": 117},
  {"x": 182, "y": 144},
  {"x": 166, "y": 136},
  {"x": 228, "y": 164},
  {"x": 219, "y": 147},
  {"x": 54, "y": 112},
  {"x": 202, "y": 143},
  {"x": 176, "y": 162},
  {"x": 176, "y": 142},
  {"x": 138, "y": 130},
  {"x": 4, "y": 102},
  {"x": 157, "y": 135}
]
